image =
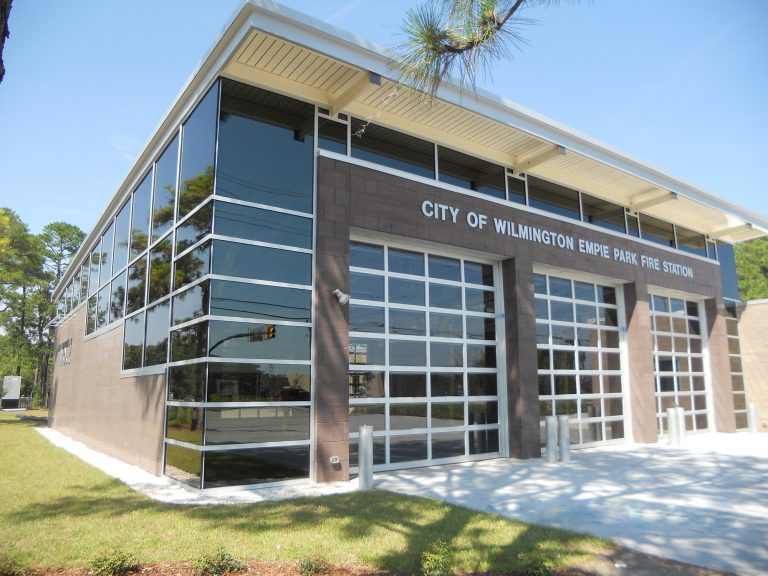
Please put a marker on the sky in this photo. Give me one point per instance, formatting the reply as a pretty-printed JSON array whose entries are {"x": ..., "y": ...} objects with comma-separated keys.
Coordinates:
[{"x": 679, "y": 85}]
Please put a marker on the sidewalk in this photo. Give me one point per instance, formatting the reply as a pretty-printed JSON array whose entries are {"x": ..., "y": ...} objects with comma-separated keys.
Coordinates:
[{"x": 705, "y": 503}]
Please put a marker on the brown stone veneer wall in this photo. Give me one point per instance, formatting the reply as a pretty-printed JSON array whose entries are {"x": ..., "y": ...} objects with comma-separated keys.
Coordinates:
[
  {"x": 753, "y": 338},
  {"x": 122, "y": 417},
  {"x": 351, "y": 198},
  {"x": 722, "y": 387}
]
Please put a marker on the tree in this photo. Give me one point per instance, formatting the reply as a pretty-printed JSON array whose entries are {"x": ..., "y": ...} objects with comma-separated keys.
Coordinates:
[
  {"x": 61, "y": 241},
  {"x": 752, "y": 268},
  {"x": 5, "y": 12},
  {"x": 459, "y": 37}
]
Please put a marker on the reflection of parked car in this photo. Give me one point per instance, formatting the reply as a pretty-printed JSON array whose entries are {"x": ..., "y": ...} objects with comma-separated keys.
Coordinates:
[{"x": 293, "y": 393}]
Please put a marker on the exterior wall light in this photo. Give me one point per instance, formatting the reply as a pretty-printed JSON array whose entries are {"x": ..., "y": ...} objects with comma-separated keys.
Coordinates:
[{"x": 341, "y": 296}]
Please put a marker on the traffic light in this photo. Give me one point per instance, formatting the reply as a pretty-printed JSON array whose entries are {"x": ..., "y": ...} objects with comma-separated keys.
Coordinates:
[{"x": 271, "y": 331}]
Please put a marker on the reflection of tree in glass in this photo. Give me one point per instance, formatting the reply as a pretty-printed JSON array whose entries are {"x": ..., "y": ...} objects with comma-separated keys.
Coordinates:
[
  {"x": 189, "y": 342},
  {"x": 194, "y": 190},
  {"x": 136, "y": 280},
  {"x": 116, "y": 306}
]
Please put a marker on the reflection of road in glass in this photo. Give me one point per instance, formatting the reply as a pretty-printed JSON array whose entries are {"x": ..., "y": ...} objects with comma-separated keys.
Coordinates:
[{"x": 258, "y": 424}]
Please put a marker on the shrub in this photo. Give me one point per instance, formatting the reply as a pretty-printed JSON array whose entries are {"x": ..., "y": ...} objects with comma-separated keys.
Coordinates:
[
  {"x": 310, "y": 566},
  {"x": 436, "y": 560},
  {"x": 113, "y": 563},
  {"x": 220, "y": 562},
  {"x": 534, "y": 565}
]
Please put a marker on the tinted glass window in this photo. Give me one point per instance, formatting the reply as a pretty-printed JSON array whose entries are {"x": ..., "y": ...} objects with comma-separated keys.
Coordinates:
[
  {"x": 408, "y": 322},
  {"x": 190, "y": 304},
  {"x": 193, "y": 265},
  {"x": 160, "y": 270},
  {"x": 691, "y": 241},
  {"x": 728, "y": 270},
  {"x": 184, "y": 465},
  {"x": 255, "y": 425},
  {"x": 247, "y": 261},
  {"x": 117, "y": 300},
  {"x": 93, "y": 282},
  {"x": 475, "y": 273},
  {"x": 553, "y": 198},
  {"x": 265, "y": 148},
  {"x": 258, "y": 382},
  {"x": 332, "y": 135},
  {"x": 366, "y": 286},
  {"x": 164, "y": 196},
  {"x": 405, "y": 385},
  {"x": 406, "y": 262},
  {"x": 366, "y": 256},
  {"x": 102, "y": 316},
  {"x": 197, "y": 153},
  {"x": 366, "y": 351},
  {"x": 262, "y": 225},
  {"x": 106, "y": 256},
  {"x": 633, "y": 226},
  {"x": 195, "y": 228},
  {"x": 189, "y": 342},
  {"x": 91, "y": 325},
  {"x": 657, "y": 230},
  {"x": 184, "y": 424},
  {"x": 516, "y": 190},
  {"x": 239, "y": 467},
  {"x": 445, "y": 268},
  {"x": 137, "y": 275},
  {"x": 156, "y": 343},
  {"x": 602, "y": 213},
  {"x": 133, "y": 341},
  {"x": 257, "y": 301},
  {"x": 187, "y": 383},
  {"x": 469, "y": 172},
  {"x": 140, "y": 222},
  {"x": 407, "y": 353},
  {"x": 393, "y": 149},
  {"x": 403, "y": 291},
  {"x": 84, "y": 273},
  {"x": 241, "y": 340},
  {"x": 366, "y": 318},
  {"x": 122, "y": 234}
]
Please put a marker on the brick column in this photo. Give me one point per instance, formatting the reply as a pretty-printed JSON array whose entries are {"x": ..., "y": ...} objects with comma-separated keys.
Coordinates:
[
  {"x": 522, "y": 370},
  {"x": 642, "y": 388},
  {"x": 720, "y": 367},
  {"x": 331, "y": 361}
]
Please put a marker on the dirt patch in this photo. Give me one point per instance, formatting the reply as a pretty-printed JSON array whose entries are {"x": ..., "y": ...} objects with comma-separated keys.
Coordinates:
[{"x": 621, "y": 562}]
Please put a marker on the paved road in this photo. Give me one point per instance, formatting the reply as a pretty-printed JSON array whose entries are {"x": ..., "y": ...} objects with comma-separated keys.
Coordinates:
[{"x": 705, "y": 503}]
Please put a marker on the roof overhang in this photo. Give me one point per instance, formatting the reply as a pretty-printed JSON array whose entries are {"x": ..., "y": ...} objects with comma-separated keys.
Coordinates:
[{"x": 275, "y": 47}]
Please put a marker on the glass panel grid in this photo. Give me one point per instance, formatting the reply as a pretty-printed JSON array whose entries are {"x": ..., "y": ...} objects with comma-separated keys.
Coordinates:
[
  {"x": 579, "y": 361},
  {"x": 429, "y": 373},
  {"x": 678, "y": 361},
  {"x": 737, "y": 374}
]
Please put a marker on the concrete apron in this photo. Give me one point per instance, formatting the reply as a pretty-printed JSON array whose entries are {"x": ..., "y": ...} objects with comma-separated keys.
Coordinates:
[{"x": 704, "y": 503}]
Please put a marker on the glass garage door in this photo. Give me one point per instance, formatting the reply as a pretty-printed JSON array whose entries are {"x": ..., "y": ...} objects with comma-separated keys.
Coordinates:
[
  {"x": 579, "y": 360},
  {"x": 422, "y": 356},
  {"x": 678, "y": 361}
]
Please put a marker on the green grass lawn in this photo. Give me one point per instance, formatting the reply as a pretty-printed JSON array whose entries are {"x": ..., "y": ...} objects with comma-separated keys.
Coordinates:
[{"x": 57, "y": 511}]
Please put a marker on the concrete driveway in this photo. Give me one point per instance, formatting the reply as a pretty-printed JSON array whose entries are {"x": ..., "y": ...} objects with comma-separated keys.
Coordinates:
[{"x": 705, "y": 503}]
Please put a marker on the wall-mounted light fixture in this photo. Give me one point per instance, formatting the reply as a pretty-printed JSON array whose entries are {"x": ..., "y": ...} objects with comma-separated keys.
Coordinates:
[{"x": 341, "y": 296}]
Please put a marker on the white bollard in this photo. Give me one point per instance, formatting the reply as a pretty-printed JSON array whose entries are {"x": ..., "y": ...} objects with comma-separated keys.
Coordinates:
[
  {"x": 565, "y": 441},
  {"x": 365, "y": 455},
  {"x": 681, "y": 424},
  {"x": 550, "y": 425},
  {"x": 752, "y": 421},
  {"x": 673, "y": 430}
]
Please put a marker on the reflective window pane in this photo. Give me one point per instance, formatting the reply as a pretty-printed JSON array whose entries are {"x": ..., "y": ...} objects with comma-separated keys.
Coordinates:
[
  {"x": 366, "y": 286},
  {"x": 475, "y": 273},
  {"x": 407, "y": 353},
  {"x": 160, "y": 270},
  {"x": 366, "y": 351},
  {"x": 241, "y": 340},
  {"x": 444, "y": 296},
  {"x": 255, "y": 425},
  {"x": 140, "y": 221},
  {"x": 553, "y": 198},
  {"x": 187, "y": 383},
  {"x": 164, "y": 193},
  {"x": 332, "y": 135},
  {"x": 447, "y": 384},
  {"x": 479, "y": 328},
  {"x": 192, "y": 266},
  {"x": 407, "y": 448},
  {"x": 194, "y": 228},
  {"x": 244, "y": 467},
  {"x": 184, "y": 465},
  {"x": 197, "y": 152},
  {"x": 445, "y": 268},
  {"x": 247, "y": 300},
  {"x": 190, "y": 304},
  {"x": 603, "y": 213},
  {"x": 258, "y": 382},
  {"x": 403, "y": 291},
  {"x": 406, "y": 262},
  {"x": 247, "y": 261},
  {"x": 479, "y": 300},
  {"x": 133, "y": 341},
  {"x": 657, "y": 230},
  {"x": 366, "y": 256},
  {"x": 122, "y": 236},
  {"x": 137, "y": 273},
  {"x": 156, "y": 343},
  {"x": 184, "y": 424},
  {"x": 117, "y": 299},
  {"x": 446, "y": 354},
  {"x": 392, "y": 149},
  {"x": 446, "y": 325},
  {"x": 407, "y": 416},
  {"x": 262, "y": 225},
  {"x": 366, "y": 319},
  {"x": 265, "y": 152},
  {"x": 471, "y": 172},
  {"x": 408, "y": 322}
]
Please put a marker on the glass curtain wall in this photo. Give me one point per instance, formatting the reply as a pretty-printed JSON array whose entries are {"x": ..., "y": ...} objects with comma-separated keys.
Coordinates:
[
  {"x": 423, "y": 356},
  {"x": 238, "y": 407},
  {"x": 678, "y": 361},
  {"x": 578, "y": 355}
]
